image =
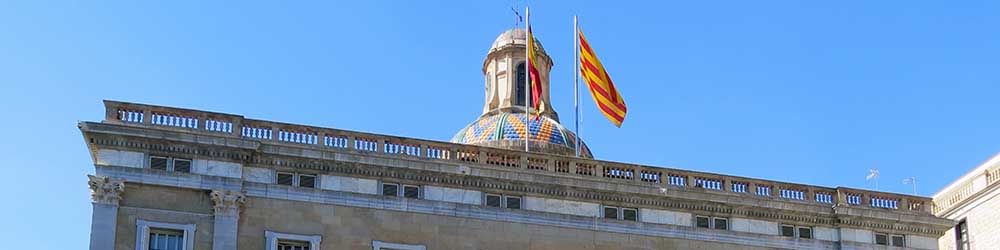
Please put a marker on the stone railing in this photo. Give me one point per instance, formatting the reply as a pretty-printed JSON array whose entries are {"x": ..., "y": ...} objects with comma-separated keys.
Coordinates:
[
  {"x": 979, "y": 181},
  {"x": 335, "y": 139}
]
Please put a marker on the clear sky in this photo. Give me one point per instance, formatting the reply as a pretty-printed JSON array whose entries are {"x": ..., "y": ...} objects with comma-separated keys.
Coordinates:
[{"x": 799, "y": 91}]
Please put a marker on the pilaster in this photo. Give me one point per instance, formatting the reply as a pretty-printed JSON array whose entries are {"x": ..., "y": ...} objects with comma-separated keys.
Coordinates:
[
  {"x": 105, "y": 193},
  {"x": 227, "y": 205}
]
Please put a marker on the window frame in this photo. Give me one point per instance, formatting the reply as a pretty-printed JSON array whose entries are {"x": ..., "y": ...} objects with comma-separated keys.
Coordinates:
[
  {"x": 272, "y": 239},
  {"x": 381, "y": 189},
  {"x": 707, "y": 219},
  {"x": 622, "y": 211},
  {"x": 486, "y": 198},
  {"x": 875, "y": 239},
  {"x": 379, "y": 245},
  {"x": 715, "y": 223},
  {"x": 962, "y": 235},
  {"x": 604, "y": 212},
  {"x": 420, "y": 191},
  {"x": 798, "y": 232},
  {"x": 296, "y": 179},
  {"x": 711, "y": 222},
  {"x": 504, "y": 200},
  {"x": 171, "y": 163},
  {"x": 143, "y": 228},
  {"x": 781, "y": 230},
  {"x": 892, "y": 241}
]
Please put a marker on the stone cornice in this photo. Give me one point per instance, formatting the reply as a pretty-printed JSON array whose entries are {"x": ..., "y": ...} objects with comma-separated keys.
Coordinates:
[{"x": 276, "y": 156}]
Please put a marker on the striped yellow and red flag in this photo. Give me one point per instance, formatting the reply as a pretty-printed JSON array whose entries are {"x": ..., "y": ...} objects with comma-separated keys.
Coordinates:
[
  {"x": 535, "y": 79},
  {"x": 608, "y": 100}
]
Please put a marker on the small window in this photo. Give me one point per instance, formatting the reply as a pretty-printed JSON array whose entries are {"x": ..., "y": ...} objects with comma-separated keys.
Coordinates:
[
  {"x": 805, "y": 233},
  {"x": 182, "y": 165},
  {"x": 156, "y": 162},
  {"x": 787, "y": 231},
  {"x": 721, "y": 223},
  {"x": 411, "y": 191},
  {"x": 493, "y": 200},
  {"x": 513, "y": 202},
  {"x": 702, "y": 221},
  {"x": 630, "y": 214},
  {"x": 308, "y": 181},
  {"x": 286, "y": 178},
  {"x": 292, "y": 245},
  {"x": 390, "y": 189},
  {"x": 881, "y": 239},
  {"x": 898, "y": 241},
  {"x": 611, "y": 213}
]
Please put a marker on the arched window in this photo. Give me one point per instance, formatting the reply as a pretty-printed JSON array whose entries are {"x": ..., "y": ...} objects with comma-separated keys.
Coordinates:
[{"x": 519, "y": 87}]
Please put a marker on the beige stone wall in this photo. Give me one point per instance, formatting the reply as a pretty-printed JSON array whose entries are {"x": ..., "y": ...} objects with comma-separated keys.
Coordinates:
[
  {"x": 356, "y": 228},
  {"x": 982, "y": 217},
  {"x": 163, "y": 204}
]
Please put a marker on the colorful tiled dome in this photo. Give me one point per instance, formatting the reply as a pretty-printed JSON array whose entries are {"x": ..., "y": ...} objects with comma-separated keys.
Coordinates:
[{"x": 507, "y": 130}]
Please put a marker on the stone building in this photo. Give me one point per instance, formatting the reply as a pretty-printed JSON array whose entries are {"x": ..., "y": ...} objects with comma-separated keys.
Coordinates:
[
  {"x": 173, "y": 178},
  {"x": 973, "y": 203}
]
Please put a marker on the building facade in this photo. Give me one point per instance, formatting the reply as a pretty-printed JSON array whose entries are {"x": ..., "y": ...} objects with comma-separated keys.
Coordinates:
[
  {"x": 173, "y": 178},
  {"x": 973, "y": 203}
]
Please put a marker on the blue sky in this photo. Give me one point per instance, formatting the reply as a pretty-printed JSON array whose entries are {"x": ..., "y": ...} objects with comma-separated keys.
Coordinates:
[{"x": 798, "y": 91}]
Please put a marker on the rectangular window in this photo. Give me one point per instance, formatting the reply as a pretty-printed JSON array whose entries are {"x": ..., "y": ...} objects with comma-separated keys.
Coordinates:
[
  {"x": 494, "y": 200},
  {"x": 805, "y": 233},
  {"x": 411, "y": 191},
  {"x": 390, "y": 189},
  {"x": 513, "y": 202},
  {"x": 307, "y": 180},
  {"x": 630, "y": 214},
  {"x": 721, "y": 223},
  {"x": 164, "y": 236},
  {"x": 702, "y": 221},
  {"x": 156, "y": 162},
  {"x": 962, "y": 236},
  {"x": 611, "y": 213},
  {"x": 787, "y": 231},
  {"x": 881, "y": 239},
  {"x": 286, "y": 178},
  {"x": 292, "y": 245},
  {"x": 164, "y": 239},
  {"x": 898, "y": 241},
  {"x": 182, "y": 165}
]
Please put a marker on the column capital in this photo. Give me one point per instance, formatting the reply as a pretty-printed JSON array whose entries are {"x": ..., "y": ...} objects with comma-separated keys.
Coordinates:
[
  {"x": 106, "y": 190},
  {"x": 228, "y": 203}
]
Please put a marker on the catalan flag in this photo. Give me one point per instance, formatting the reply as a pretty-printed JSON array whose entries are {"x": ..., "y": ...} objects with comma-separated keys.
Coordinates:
[
  {"x": 608, "y": 100},
  {"x": 535, "y": 79}
]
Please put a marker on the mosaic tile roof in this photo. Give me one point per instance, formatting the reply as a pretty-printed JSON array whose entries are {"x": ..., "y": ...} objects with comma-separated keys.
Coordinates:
[{"x": 512, "y": 127}]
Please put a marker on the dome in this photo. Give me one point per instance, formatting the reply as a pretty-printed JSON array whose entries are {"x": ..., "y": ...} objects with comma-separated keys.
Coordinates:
[
  {"x": 515, "y": 36},
  {"x": 506, "y": 130}
]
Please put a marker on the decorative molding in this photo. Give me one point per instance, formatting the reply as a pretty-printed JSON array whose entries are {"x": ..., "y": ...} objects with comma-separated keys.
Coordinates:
[
  {"x": 228, "y": 202},
  {"x": 106, "y": 190}
]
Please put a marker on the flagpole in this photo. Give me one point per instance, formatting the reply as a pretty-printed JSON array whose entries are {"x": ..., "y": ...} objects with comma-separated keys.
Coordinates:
[
  {"x": 576, "y": 81},
  {"x": 527, "y": 78}
]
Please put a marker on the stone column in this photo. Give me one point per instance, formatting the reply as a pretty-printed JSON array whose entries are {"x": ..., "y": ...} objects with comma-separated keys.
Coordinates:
[
  {"x": 227, "y": 217},
  {"x": 105, "y": 193}
]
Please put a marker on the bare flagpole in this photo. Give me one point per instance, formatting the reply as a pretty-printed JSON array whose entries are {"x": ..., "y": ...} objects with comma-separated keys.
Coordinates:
[
  {"x": 527, "y": 78},
  {"x": 576, "y": 81}
]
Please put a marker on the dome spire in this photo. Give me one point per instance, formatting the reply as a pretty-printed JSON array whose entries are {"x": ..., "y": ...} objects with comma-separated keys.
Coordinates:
[{"x": 504, "y": 123}]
